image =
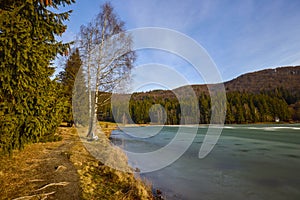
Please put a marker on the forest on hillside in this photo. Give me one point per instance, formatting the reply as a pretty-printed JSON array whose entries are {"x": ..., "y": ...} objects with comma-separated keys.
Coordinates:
[
  {"x": 242, "y": 107},
  {"x": 264, "y": 96}
]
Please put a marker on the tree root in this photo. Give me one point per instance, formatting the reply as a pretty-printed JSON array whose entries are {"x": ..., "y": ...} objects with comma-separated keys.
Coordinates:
[
  {"x": 60, "y": 167},
  {"x": 53, "y": 184},
  {"x": 36, "y": 180},
  {"x": 36, "y": 195}
]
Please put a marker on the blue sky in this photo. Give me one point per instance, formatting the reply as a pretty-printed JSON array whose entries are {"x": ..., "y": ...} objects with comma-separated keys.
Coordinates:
[{"x": 239, "y": 35}]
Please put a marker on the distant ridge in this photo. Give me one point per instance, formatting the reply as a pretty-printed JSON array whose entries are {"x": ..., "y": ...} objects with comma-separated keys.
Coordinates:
[
  {"x": 287, "y": 78},
  {"x": 266, "y": 80}
]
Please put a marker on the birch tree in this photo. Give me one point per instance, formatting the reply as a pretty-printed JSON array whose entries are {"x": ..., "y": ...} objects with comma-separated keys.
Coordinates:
[{"x": 107, "y": 57}]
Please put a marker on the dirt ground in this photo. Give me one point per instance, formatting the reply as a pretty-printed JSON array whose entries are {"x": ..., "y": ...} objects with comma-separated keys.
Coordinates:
[{"x": 41, "y": 171}]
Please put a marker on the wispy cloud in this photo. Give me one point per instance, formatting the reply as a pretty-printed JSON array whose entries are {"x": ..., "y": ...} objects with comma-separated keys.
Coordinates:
[
  {"x": 178, "y": 15},
  {"x": 240, "y": 36}
]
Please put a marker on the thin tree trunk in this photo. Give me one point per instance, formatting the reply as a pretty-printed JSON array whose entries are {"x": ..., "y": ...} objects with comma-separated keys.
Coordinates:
[
  {"x": 93, "y": 115},
  {"x": 90, "y": 131}
]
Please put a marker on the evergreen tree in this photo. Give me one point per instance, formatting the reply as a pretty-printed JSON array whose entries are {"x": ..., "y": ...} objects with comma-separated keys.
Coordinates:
[
  {"x": 80, "y": 99},
  {"x": 67, "y": 79},
  {"x": 29, "y": 100},
  {"x": 296, "y": 111}
]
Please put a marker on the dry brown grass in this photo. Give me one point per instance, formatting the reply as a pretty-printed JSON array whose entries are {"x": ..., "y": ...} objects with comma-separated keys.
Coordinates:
[
  {"x": 98, "y": 180},
  {"x": 66, "y": 170},
  {"x": 107, "y": 127},
  {"x": 31, "y": 173}
]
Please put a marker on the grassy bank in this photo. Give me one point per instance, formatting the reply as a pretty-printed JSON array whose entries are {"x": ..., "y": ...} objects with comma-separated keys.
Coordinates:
[
  {"x": 99, "y": 181},
  {"x": 66, "y": 170}
]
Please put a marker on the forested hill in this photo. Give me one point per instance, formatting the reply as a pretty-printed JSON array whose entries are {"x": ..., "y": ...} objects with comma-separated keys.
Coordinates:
[
  {"x": 287, "y": 78},
  {"x": 268, "y": 80},
  {"x": 254, "y": 97}
]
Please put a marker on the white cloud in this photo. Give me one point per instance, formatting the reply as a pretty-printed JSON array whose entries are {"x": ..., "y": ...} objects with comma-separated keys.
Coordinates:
[
  {"x": 240, "y": 36},
  {"x": 178, "y": 15}
]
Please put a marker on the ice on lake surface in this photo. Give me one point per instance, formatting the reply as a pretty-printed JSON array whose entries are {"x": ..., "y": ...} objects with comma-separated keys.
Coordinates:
[{"x": 248, "y": 162}]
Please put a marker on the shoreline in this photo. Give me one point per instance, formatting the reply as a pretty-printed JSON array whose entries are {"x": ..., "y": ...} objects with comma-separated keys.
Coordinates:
[
  {"x": 199, "y": 125},
  {"x": 107, "y": 128}
]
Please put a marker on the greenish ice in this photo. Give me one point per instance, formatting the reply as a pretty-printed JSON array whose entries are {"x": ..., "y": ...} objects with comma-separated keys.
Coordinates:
[{"x": 248, "y": 162}]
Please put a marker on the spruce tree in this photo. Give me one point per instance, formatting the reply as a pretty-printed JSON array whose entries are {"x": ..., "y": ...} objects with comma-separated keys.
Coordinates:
[
  {"x": 67, "y": 80},
  {"x": 29, "y": 100}
]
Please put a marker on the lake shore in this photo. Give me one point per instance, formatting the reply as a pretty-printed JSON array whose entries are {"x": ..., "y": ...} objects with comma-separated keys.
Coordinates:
[
  {"x": 195, "y": 125},
  {"x": 65, "y": 170}
]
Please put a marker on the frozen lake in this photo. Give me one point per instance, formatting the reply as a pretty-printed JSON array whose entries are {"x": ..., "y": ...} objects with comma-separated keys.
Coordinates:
[{"x": 248, "y": 162}]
